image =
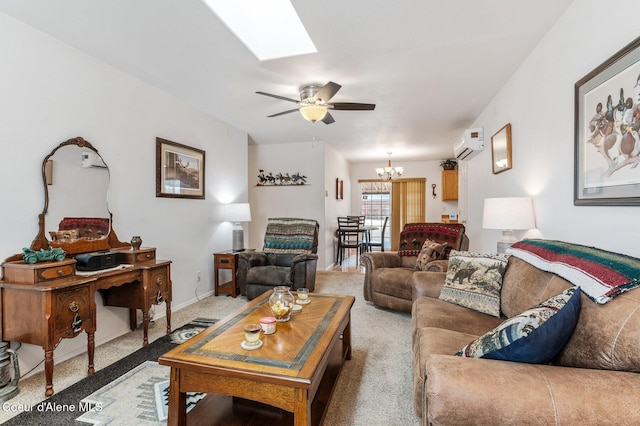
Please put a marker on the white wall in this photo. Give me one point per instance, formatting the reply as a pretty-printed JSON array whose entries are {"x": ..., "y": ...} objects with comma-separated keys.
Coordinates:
[
  {"x": 335, "y": 166},
  {"x": 303, "y": 201},
  {"x": 538, "y": 101},
  {"x": 52, "y": 92}
]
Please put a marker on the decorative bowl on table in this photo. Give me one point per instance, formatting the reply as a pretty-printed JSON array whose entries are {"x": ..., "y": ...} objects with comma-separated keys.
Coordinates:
[{"x": 281, "y": 303}]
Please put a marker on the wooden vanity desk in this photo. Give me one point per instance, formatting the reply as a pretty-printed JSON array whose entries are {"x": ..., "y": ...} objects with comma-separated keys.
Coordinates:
[
  {"x": 44, "y": 302},
  {"x": 50, "y": 309}
]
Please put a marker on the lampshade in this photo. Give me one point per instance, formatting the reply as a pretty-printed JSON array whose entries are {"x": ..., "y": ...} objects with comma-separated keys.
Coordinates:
[
  {"x": 313, "y": 113},
  {"x": 508, "y": 213},
  {"x": 236, "y": 212}
]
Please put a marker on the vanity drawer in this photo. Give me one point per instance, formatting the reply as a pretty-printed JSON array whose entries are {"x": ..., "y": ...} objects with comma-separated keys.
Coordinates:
[
  {"x": 20, "y": 272},
  {"x": 73, "y": 311},
  {"x": 159, "y": 284},
  {"x": 132, "y": 257}
]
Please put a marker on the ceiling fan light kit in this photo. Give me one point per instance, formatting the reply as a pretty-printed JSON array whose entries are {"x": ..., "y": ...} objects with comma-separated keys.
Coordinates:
[
  {"x": 314, "y": 103},
  {"x": 313, "y": 113}
]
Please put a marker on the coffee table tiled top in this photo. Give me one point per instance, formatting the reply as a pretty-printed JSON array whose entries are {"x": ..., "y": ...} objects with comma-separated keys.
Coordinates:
[{"x": 287, "y": 352}]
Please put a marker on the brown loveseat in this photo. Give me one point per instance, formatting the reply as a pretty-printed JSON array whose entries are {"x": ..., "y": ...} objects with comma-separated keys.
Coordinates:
[
  {"x": 388, "y": 277},
  {"x": 593, "y": 380}
]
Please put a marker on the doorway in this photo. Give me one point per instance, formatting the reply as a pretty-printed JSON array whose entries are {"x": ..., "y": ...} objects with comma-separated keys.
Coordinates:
[{"x": 375, "y": 206}]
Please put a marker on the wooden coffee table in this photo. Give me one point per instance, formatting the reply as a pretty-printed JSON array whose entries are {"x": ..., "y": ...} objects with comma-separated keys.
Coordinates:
[{"x": 295, "y": 370}]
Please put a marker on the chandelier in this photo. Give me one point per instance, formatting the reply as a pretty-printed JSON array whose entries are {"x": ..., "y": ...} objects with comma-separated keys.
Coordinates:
[{"x": 388, "y": 173}]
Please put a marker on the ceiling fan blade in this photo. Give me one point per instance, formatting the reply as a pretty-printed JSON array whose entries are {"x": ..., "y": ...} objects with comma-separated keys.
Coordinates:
[
  {"x": 283, "y": 113},
  {"x": 352, "y": 106},
  {"x": 327, "y": 91},
  {"x": 278, "y": 97},
  {"x": 328, "y": 119}
]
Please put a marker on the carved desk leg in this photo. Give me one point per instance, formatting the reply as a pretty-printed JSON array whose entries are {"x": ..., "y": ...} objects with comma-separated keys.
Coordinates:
[
  {"x": 145, "y": 326},
  {"x": 48, "y": 371},
  {"x": 168, "y": 306},
  {"x": 133, "y": 319},
  {"x": 91, "y": 346}
]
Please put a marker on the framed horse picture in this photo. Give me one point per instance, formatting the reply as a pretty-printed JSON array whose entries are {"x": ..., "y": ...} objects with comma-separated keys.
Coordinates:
[
  {"x": 179, "y": 170},
  {"x": 607, "y": 129}
]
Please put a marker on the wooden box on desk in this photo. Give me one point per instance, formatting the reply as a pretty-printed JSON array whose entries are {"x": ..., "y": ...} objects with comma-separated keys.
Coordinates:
[
  {"x": 133, "y": 257},
  {"x": 19, "y": 272}
]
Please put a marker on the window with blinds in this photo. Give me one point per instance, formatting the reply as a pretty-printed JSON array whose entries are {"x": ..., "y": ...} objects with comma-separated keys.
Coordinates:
[
  {"x": 403, "y": 200},
  {"x": 408, "y": 204}
]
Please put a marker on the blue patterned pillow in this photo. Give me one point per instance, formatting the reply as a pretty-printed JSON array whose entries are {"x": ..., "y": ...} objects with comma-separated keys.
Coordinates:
[{"x": 535, "y": 336}]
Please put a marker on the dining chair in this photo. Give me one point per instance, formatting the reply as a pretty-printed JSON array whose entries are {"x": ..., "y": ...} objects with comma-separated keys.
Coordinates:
[
  {"x": 359, "y": 219},
  {"x": 381, "y": 242},
  {"x": 365, "y": 234},
  {"x": 349, "y": 237}
]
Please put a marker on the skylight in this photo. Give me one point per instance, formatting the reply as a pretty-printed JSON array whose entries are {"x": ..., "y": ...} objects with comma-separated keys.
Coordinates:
[{"x": 270, "y": 29}]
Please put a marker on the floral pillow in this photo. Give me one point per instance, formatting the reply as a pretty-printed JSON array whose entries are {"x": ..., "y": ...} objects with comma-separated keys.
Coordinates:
[
  {"x": 474, "y": 281},
  {"x": 535, "y": 336},
  {"x": 430, "y": 251}
]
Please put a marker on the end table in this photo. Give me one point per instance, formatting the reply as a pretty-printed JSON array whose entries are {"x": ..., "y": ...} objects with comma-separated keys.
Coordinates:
[{"x": 227, "y": 260}]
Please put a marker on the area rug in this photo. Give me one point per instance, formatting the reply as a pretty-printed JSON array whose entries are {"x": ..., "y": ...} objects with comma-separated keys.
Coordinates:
[
  {"x": 133, "y": 377},
  {"x": 375, "y": 388},
  {"x": 147, "y": 390}
]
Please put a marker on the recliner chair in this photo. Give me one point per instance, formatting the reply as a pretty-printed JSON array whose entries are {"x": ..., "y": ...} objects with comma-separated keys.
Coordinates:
[
  {"x": 389, "y": 276},
  {"x": 288, "y": 258}
]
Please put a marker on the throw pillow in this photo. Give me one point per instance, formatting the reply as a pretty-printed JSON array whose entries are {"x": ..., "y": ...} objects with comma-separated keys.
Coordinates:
[
  {"x": 430, "y": 251},
  {"x": 474, "y": 281},
  {"x": 535, "y": 336}
]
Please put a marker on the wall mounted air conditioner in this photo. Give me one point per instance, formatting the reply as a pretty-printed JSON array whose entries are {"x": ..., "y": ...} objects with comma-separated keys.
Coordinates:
[
  {"x": 91, "y": 159},
  {"x": 470, "y": 144}
]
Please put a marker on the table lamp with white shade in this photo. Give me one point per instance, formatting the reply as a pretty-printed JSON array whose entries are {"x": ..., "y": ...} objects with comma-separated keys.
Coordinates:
[
  {"x": 508, "y": 214},
  {"x": 236, "y": 213}
]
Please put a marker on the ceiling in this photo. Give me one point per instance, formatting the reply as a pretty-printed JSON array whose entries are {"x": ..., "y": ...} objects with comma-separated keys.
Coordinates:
[{"x": 430, "y": 66}]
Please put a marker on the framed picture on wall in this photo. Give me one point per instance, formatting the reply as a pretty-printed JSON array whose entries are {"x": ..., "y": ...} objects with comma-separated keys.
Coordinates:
[
  {"x": 179, "y": 170},
  {"x": 606, "y": 128},
  {"x": 339, "y": 189},
  {"x": 501, "y": 150}
]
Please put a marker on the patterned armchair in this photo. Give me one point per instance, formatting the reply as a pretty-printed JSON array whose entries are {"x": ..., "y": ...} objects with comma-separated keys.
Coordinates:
[{"x": 288, "y": 258}]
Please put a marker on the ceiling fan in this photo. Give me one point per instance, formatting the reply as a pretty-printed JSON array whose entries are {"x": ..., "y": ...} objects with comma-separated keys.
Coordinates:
[{"x": 314, "y": 103}]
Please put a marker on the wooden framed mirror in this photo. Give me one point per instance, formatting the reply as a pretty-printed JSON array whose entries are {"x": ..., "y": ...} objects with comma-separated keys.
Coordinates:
[
  {"x": 501, "y": 150},
  {"x": 76, "y": 215}
]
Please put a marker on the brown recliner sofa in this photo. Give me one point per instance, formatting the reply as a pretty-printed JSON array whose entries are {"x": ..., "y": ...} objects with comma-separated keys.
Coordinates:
[
  {"x": 593, "y": 380},
  {"x": 389, "y": 276}
]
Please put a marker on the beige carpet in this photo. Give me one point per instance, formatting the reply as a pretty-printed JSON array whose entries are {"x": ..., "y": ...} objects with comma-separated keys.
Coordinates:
[{"x": 374, "y": 388}]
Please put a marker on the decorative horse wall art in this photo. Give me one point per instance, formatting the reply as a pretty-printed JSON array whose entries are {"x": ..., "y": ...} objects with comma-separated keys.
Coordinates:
[
  {"x": 280, "y": 179},
  {"x": 614, "y": 131}
]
